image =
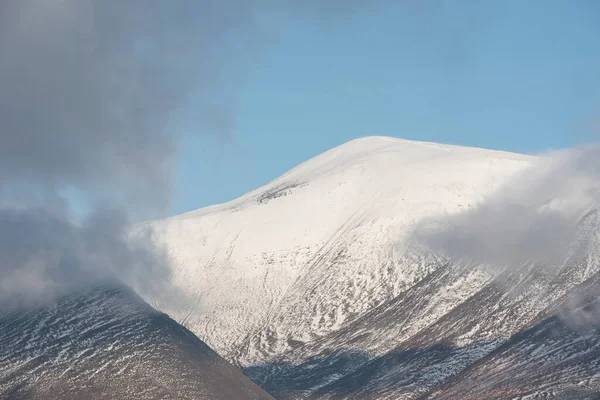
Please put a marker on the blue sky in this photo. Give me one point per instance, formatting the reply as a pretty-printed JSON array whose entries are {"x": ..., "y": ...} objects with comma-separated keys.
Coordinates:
[{"x": 513, "y": 75}]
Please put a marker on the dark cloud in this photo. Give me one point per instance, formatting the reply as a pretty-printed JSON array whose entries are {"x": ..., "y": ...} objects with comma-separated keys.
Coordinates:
[
  {"x": 89, "y": 107},
  {"x": 93, "y": 96},
  {"x": 90, "y": 89}
]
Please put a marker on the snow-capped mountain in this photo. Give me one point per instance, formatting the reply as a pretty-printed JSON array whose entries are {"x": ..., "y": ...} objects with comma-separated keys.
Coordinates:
[
  {"x": 312, "y": 285},
  {"x": 106, "y": 343},
  {"x": 319, "y": 246}
]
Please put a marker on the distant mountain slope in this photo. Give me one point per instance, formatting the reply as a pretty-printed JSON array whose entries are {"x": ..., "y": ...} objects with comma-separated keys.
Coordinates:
[
  {"x": 106, "y": 343},
  {"x": 320, "y": 246}
]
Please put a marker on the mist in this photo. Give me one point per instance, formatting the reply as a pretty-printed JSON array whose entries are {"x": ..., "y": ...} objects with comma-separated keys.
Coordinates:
[
  {"x": 94, "y": 95},
  {"x": 533, "y": 217}
]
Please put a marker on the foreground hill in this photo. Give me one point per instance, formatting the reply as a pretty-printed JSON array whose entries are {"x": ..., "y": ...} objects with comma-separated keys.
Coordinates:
[{"x": 106, "y": 343}]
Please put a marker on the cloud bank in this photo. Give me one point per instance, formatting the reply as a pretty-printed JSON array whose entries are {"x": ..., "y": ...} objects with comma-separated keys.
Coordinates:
[
  {"x": 533, "y": 217},
  {"x": 90, "y": 91}
]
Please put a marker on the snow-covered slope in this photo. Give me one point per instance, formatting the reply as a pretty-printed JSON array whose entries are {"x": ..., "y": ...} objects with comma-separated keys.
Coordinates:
[
  {"x": 455, "y": 319},
  {"x": 312, "y": 284},
  {"x": 320, "y": 246},
  {"x": 106, "y": 343}
]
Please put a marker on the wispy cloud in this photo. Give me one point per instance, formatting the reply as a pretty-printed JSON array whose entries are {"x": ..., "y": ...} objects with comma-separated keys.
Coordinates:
[{"x": 533, "y": 217}]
